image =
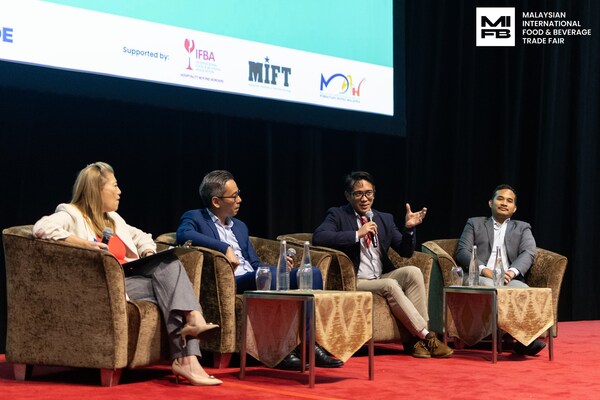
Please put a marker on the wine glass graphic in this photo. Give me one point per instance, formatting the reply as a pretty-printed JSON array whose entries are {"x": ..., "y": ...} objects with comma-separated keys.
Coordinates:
[{"x": 189, "y": 47}]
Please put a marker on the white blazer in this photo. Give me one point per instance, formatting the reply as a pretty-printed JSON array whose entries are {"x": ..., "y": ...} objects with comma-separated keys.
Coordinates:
[{"x": 67, "y": 220}]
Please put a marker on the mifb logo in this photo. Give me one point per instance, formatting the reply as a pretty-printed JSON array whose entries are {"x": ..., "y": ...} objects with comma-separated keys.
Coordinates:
[{"x": 495, "y": 26}]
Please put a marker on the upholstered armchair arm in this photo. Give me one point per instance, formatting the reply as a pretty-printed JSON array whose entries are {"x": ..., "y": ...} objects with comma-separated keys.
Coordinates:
[
  {"x": 445, "y": 260},
  {"x": 420, "y": 260},
  {"x": 340, "y": 275},
  {"x": 296, "y": 238},
  {"x": 66, "y": 303},
  {"x": 268, "y": 252},
  {"x": 548, "y": 270},
  {"x": 217, "y": 298},
  {"x": 192, "y": 261}
]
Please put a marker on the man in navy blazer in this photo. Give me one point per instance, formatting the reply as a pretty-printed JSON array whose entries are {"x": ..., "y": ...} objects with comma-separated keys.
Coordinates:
[
  {"x": 366, "y": 235},
  {"x": 513, "y": 238},
  {"x": 198, "y": 226},
  {"x": 216, "y": 228}
]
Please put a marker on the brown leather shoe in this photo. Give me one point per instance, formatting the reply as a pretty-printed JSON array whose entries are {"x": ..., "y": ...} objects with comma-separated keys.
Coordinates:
[
  {"x": 419, "y": 350},
  {"x": 436, "y": 348}
]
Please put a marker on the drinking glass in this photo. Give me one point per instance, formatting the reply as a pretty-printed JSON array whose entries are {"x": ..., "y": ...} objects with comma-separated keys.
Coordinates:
[{"x": 263, "y": 278}]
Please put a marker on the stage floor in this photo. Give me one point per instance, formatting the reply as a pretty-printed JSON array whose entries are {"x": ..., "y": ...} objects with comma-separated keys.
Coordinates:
[{"x": 469, "y": 374}]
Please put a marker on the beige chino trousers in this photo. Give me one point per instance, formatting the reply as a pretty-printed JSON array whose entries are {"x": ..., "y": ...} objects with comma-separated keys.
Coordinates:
[{"x": 404, "y": 290}]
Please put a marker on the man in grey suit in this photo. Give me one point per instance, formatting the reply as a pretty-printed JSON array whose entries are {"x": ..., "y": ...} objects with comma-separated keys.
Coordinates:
[{"x": 514, "y": 240}]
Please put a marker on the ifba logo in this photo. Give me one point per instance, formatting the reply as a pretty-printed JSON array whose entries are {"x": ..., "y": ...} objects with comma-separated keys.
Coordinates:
[
  {"x": 494, "y": 26},
  {"x": 198, "y": 54}
]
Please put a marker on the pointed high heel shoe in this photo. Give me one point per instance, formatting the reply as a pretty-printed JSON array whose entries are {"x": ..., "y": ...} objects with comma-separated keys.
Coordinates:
[
  {"x": 193, "y": 379},
  {"x": 197, "y": 331}
]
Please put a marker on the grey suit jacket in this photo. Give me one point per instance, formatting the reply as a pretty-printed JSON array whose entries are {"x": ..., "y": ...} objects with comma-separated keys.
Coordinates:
[{"x": 518, "y": 239}]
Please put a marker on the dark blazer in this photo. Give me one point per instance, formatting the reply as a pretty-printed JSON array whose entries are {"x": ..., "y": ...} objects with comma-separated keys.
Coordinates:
[
  {"x": 338, "y": 231},
  {"x": 197, "y": 226},
  {"x": 518, "y": 239}
]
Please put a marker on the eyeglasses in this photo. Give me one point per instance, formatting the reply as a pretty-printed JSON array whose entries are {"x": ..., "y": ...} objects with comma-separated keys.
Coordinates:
[
  {"x": 358, "y": 194},
  {"x": 235, "y": 196}
]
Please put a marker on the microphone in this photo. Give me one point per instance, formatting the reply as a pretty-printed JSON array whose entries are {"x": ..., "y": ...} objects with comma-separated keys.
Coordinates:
[
  {"x": 291, "y": 252},
  {"x": 369, "y": 215},
  {"x": 106, "y": 235}
]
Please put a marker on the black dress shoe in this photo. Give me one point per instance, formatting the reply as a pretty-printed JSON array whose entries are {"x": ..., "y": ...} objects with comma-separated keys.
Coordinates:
[
  {"x": 324, "y": 360},
  {"x": 291, "y": 362},
  {"x": 534, "y": 347}
]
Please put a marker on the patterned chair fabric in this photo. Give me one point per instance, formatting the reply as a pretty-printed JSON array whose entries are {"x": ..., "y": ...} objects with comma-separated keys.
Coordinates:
[
  {"x": 547, "y": 270},
  {"x": 67, "y": 307}
]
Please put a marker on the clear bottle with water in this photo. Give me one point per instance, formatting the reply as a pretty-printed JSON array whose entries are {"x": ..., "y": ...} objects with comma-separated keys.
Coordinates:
[
  {"x": 283, "y": 275},
  {"x": 474, "y": 269},
  {"x": 305, "y": 275},
  {"x": 498, "y": 269},
  {"x": 456, "y": 276},
  {"x": 263, "y": 278}
]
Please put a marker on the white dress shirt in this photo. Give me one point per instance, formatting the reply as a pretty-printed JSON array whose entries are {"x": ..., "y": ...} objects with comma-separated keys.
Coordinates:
[
  {"x": 370, "y": 266},
  {"x": 226, "y": 235},
  {"x": 499, "y": 234}
]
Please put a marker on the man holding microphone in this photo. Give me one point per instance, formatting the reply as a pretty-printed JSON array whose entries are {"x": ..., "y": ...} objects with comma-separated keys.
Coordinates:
[{"x": 365, "y": 236}]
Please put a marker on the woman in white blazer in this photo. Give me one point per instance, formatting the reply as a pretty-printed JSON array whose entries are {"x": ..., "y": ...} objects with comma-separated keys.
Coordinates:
[{"x": 91, "y": 217}]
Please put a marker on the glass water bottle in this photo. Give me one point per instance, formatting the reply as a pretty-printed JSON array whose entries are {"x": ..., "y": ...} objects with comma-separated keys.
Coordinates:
[
  {"x": 474, "y": 269},
  {"x": 283, "y": 275},
  {"x": 498, "y": 269},
  {"x": 305, "y": 275}
]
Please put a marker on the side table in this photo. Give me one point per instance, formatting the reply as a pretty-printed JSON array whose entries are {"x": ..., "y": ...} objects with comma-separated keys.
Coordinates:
[
  {"x": 472, "y": 313},
  {"x": 275, "y": 322}
]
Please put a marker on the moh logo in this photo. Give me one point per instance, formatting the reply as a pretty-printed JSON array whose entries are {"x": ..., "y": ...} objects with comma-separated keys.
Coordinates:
[
  {"x": 269, "y": 73},
  {"x": 341, "y": 84},
  {"x": 494, "y": 26}
]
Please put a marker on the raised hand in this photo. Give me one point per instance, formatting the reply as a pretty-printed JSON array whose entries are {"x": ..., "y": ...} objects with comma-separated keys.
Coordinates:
[{"x": 414, "y": 218}]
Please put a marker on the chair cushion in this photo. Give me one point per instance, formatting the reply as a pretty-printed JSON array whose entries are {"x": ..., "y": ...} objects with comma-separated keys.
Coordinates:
[{"x": 147, "y": 336}]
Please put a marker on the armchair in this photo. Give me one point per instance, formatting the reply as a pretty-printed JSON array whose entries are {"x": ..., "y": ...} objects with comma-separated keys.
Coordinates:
[
  {"x": 218, "y": 298},
  {"x": 547, "y": 271},
  {"x": 341, "y": 276},
  {"x": 67, "y": 307}
]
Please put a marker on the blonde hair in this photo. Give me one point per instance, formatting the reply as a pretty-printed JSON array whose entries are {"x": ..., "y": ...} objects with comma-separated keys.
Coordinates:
[{"x": 87, "y": 195}]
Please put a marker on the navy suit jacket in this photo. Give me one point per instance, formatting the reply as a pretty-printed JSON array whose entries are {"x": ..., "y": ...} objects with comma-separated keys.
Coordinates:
[
  {"x": 338, "y": 231},
  {"x": 197, "y": 226},
  {"x": 518, "y": 240}
]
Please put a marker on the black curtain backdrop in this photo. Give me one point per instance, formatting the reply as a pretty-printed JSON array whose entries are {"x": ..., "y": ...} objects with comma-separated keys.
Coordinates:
[{"x": 476, "y": 117}]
